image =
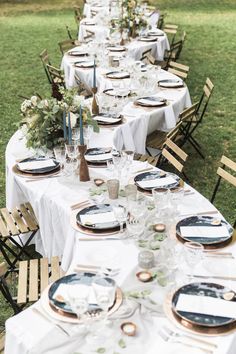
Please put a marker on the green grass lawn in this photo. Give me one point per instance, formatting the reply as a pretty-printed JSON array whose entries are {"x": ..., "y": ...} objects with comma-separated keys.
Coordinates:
[{"x": 27, "y": 27}]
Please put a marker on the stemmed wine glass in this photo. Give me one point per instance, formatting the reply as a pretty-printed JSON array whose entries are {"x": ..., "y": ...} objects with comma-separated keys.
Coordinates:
[
  {"x": 72, "y": 153},
  {"x": 193, "y": 253},
  {"x": 60, "y": 155},
  {"x": 78, "y": 301},
  {"x": 120, "y": 215}
]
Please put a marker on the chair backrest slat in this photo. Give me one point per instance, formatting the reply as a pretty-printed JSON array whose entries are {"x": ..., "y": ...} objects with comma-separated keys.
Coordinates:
[
  {"x": 22, "y": 282},
  {"x": 55, "y": 268},
  {"x": 43, "y": 274},
  {"x": 227, "y": 176},
  {"x": 33, "y": 280},
  {"x": 66, "y": 45},
  {"x": 178, "y": 73},
  {"x": 176, "y": 149},
  {"x": 29, "y": 220},
  {"x": 19, "y": 221},
  {"x": 3, "y": 230},
  {"x": 229, "y": 163},
  {"x": 10, "y": 225},
  {"x": 3, "y": 269},
  {"x": 172, "y": 160}
]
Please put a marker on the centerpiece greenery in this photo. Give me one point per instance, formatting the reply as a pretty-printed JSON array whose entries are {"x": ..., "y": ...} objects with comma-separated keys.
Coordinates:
[
  {"x": 42, "y": 119},
  {"x": 132, "y": 17}
]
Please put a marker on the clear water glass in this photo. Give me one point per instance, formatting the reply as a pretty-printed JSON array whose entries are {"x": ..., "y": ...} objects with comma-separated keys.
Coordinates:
[
  {"x": 60, "y": 155},
  {"x": 120, "y": 215},
  {"x": 193, "y": 254},
  {"x": 160, "y": 198}
]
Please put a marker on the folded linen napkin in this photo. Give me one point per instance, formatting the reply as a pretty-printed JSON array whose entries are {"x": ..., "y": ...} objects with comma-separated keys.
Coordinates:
[
  {"x": 100, "y": 157},
  {"x": 204, "y": 231},
  {"x": 206, "y": 305},
  {"x": 159, "y": 182},
  {"x": 35, "y": 165},
  {"x": 98, "y": 218}
]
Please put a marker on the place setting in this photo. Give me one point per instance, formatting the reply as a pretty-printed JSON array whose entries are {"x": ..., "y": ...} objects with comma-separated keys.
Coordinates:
[
  {"x": 211, "y": 232},
  {"x": 84, "y": 64},
  {"x": 37, "y": 167},
  {"x": 152, "y": 38},
  {"x": 108, "y": 120},
  {"x": 147, "y": 181},
  {"x": 77, "y": 52},
  {"x": 81, "y": 297},
  {"x": 151, "y": 102},
  {"x": 98, "y": 157},
  {"x": 117, "y": 75},
  {"x": 171, "y": 83}
]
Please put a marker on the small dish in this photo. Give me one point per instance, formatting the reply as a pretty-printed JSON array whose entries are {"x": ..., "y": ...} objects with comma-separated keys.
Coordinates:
[
  {"x": 98, "y": 181},
  {"x": 159, "y": 227},
  {"x": 144, "y": 276},
  {"x": 128, "y": 328}
]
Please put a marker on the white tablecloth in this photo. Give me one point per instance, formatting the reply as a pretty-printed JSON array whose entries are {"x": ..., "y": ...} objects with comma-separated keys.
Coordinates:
[{"x": 51, "y": 200}]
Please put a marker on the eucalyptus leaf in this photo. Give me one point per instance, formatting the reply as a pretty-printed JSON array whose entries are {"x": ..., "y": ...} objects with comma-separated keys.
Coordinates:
[
  {"x": 122, "y": 343},
  {"x": 101, "y": 350}
]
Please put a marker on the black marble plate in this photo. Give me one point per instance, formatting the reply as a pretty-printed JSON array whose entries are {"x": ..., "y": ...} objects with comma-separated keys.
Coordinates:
[
  {"x": 117, "y": 75},
  {"x": 170, "y": 83},
  {"x": 148, "y": 39},
  {"x": 204, "y": 221},
  {"x": 39, "y": 170},
  {"x": 115, "y": 93},
  {"x": 203, "y": 289},
  {"x": 154, "y": 101},
  {"x": 78, "y": 278},
  {"x": 117, "y": 120},
  {"x": 84, "y": 64},
  {"x": 155, "y": 175},
  {"x": 97, "y": 152},
  {"x": 97, "y": 209}
]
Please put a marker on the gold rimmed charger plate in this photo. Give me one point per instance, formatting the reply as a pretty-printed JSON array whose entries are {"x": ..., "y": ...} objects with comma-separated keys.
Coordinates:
[
  {"x": 192, "y": 328},
  {"x": 122, "y": 121},
  {"x": 88, "y": 232},
  {"x": 16, "y": 171},
  {"x": 60, "y": 315}
]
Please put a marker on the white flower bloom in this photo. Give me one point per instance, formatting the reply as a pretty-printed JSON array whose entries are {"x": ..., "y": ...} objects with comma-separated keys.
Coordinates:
[
  {"x": 45, "y": 103},
  {"x": 34, "y": 100},
  {"x": 78, "y": 100},
  {"x": 25, "y": 105},
  {"x": 73, "y": 119}
]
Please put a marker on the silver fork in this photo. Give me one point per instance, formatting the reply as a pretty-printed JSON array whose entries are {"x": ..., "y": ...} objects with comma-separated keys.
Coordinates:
[
  {"x": 172, "y": 339},
  {"x": 104, "y": 270},
  {"x": 178, "y": 334}
]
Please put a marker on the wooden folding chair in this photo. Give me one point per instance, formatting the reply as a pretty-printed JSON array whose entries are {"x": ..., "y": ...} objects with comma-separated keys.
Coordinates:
[
  {"x": 2, "y": 342},
  {"x": 58, "y": 81},
  {"x": 83, "y": 89},
  {"x": 150, "y": 159},
  {"x": 171, "y": 33},
  {"x": 178, "y": 69},
  {"x": 174, "y": 52},
  {"x": 67, "y": 45},
  {"x": 157, "y": 139},
  {"x": 174, "y": 155},
  {"x": 225, "y": 175},
  {"x": 32, "y": 278},
  {"x": 145, "y": 54},
  {"x": 14, "y": 225},
  {"x": 45, "y": 60},
  {"x": 160, "y": 22},
  {"x": 199, "y": 114}
]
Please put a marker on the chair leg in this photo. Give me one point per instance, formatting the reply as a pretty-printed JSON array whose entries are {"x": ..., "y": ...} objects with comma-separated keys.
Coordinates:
[
  {"x": 7, "y": 295},
  {"x": 196, "y": 148}
]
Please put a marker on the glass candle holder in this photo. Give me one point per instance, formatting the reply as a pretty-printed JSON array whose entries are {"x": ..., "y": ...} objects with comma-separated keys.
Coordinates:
[{"x": 146, "y": 259}]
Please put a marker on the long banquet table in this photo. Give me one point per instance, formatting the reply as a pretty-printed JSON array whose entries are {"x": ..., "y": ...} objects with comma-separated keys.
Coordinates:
[{"x": 30, "y": 332}]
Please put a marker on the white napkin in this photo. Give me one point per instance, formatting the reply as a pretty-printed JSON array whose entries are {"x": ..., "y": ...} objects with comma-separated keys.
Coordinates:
[
  {"x": 98, "y": 157},
  {"x": 118, "y": 75},
  {"x": 34, "y": 165},
  {"x": 79, "y": 290},
  {"x": 206, "y": 305},
  {"x": 106, "y": 119},
  {"x": 171, "y": 84},
  {"x": 99, "y": 218},
  {"x": 150, "y": 102},
  {"x": 85, "y": 64},
  {"x": 204, "y": 231},
  {"x": 159, "y": 182}
]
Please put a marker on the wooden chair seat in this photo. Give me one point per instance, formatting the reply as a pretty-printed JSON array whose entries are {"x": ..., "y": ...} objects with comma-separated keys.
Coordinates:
[
  {"x": 16, "y": 222},
  {"x": 156, "y": 139},
  {"x": 33, "y": 276},
  {"x": 150, "y": 159}
]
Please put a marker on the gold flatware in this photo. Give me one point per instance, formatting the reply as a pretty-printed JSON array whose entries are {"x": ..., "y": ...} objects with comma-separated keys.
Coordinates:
[
  {"x": 144, "y": 170},
  {"x": 80, "y": 204},
  {"x": 180, "y": 334}
]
